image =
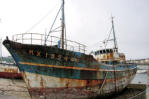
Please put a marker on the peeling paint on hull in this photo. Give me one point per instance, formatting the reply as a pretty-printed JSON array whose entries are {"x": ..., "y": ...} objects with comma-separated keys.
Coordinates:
[
  {"x": 54, "y": 73},
  {"x": 55, "y": 88}
]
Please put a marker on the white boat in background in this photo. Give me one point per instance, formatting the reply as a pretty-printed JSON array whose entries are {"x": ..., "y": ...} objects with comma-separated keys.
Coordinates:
[{"x": 9, "y": 71}]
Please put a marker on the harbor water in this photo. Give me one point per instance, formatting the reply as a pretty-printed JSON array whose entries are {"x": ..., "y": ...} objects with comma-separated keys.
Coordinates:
[
  {"x": 141, "y": 76},
  {"x": 16, "y": 88}
]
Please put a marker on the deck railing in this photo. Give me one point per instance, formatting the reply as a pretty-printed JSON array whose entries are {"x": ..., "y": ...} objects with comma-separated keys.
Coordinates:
[{"x": 39, "y": 39}]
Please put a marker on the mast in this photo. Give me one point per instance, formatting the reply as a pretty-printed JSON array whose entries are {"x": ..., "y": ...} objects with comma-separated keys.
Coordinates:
[
  {"x": 115, "y": 47},
  {"x": 115, "y": 42},
  {"x": 63, "y": 25}
]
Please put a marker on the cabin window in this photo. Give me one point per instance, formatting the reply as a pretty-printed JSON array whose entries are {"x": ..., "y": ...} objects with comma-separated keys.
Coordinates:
[
  {"x": 111, "y": 51},
  {"x": 100, "y": 52},
  {"x": 115, "y": 50},
  {"x": 97, "y": 52},
  {"x": 115, "y": 62},
  {"x": 110, "y": 62},
  {"x": 107, "y": 51},
  {"x": 104, "y": 51}
]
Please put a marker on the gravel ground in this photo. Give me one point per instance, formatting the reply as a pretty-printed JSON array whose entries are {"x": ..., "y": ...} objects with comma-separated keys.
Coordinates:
[{"x": 13, "y": 89}]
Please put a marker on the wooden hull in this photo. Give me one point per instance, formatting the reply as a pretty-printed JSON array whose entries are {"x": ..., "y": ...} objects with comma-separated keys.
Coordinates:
[
  {"x": 9, "y": 71},
  {"x": 53, "y": 73}
]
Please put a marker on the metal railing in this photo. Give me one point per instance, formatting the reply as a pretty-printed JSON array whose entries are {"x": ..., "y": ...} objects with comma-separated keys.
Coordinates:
[{"x": 39, "y": 39}]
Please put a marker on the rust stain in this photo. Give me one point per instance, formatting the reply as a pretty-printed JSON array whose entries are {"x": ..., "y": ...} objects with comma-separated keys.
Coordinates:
[
  {"x": 38, "y": 53},
  {"x": 66, "y": 58},
  {"x": 52, "y": 56},
  {"x": 36, "y": 77},
  {"x": 41, "y": 82},
  {"x": 27, "y": 80},
  {"x": 87, "y": 83},
  {"x": 43, "y": 89},
  {"x": 46, "y": 54},
  {"x": 111, "y": 55},
  {"x": 79, "y": 82},
  {"x": 11, "y": 70},
  {"x": 59, "y": 57},
  {"x": 92, "y": 82},
  {"x": 31, "y": 52}
]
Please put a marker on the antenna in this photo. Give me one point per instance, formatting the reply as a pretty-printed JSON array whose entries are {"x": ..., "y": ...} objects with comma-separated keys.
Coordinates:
[{"x": 115, "y": 42}]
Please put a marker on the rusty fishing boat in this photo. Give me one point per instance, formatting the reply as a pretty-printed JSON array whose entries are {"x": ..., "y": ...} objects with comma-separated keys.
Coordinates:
[
  {"x": 58, "y": 68},
  {"x": 8, "y": 70}
]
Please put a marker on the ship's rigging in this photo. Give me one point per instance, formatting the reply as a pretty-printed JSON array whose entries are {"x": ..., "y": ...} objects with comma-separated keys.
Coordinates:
[{"x": 63, "y": 29}]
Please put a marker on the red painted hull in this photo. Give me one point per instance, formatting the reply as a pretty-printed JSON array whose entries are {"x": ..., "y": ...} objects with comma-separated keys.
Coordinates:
[{"x": 10, "y": 75}]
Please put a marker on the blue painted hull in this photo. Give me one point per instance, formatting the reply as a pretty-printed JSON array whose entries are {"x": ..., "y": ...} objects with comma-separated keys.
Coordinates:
[{"x": 49, "y": 71}]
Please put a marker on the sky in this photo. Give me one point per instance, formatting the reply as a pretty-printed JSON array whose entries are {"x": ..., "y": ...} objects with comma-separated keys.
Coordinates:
[{"x": 87, "y": 22}]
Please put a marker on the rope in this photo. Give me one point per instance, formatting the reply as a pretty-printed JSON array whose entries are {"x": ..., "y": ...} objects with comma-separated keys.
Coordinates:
[
  {"x": 106, "y": 41},
  {"x": 41, "y": 19},
  {"x": 103, "y": 82},
  {"x": 53, "y": 23}
]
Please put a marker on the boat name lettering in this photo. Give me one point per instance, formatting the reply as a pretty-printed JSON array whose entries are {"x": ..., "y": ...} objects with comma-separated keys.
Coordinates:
[
  {"x": 10, "y": 70},
  {"x": 53, "y": 56},
  {"x": 66, "y": 58},
  {"x": 38, "y": 53},
  {"x": 46, "y": 54},
  {"x": 31, "y": 52},
  {"x": 59, "y": 57}
]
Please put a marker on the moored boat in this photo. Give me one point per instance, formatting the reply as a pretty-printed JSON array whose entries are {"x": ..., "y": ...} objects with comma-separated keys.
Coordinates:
[
  {"x": 9, "y": 71},
  {"x": 61, "y": 69}
]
